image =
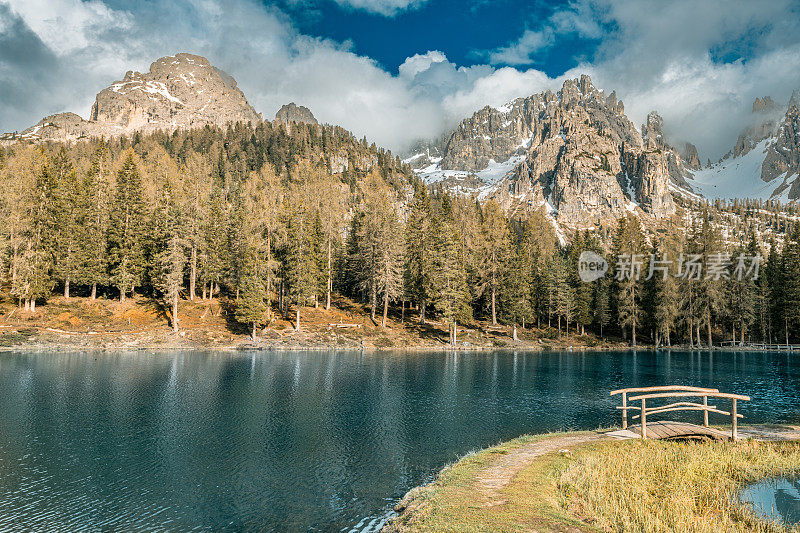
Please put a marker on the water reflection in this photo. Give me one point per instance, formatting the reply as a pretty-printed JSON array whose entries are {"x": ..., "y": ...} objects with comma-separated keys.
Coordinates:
[
  {"x": 301, "y": 440},
  {"x": 775, "y": 499}
]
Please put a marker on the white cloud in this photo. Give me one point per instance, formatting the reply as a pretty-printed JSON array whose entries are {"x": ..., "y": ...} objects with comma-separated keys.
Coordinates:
[
  {"x": 420, "y": 62},
  {"x": 387, "y": 8},
  {"x": 520, "y": 51},
  {"x": 69, "y": 25},
  {"x": 55, "y": 55}
]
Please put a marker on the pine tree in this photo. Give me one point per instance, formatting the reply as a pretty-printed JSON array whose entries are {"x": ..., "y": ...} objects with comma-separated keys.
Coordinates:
[
  {"x": 251, "y": 307},
  {"x": 493, "y": 244},
  {"x": 628, "y": 252},
  {"x": 302, "y": 275},
  {"x": 790, "y": 285},
  {"x": 449, "y": 292},
  {"x": 419, "y": 249},
  {"x": 169, "y": 257},
  {"x": 126, "y": 229},
  {"x": 66, "y": 213},
  {"x": 602, "y": 303}
]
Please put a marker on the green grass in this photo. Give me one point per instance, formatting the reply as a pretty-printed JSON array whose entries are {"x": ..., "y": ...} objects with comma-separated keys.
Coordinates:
[
  {"x": 453, "y": 502},
  {"x": 650, "y": 486}
]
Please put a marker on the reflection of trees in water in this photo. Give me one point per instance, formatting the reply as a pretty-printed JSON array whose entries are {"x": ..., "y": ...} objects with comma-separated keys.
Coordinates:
[{"x": 787, "y": 501}]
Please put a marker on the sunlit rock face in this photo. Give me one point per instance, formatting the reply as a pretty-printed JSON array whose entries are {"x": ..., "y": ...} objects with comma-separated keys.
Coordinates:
[
  {"x": 178, "y": 92},
  {"x": 574, "y": 152}
]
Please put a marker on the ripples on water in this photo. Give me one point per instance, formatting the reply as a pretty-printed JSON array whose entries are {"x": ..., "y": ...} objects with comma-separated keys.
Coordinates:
[{"x": 299, "y": 441}]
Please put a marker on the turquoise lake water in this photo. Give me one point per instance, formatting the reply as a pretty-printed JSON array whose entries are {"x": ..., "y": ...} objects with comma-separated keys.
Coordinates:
[{"x": 303, "y": 441}]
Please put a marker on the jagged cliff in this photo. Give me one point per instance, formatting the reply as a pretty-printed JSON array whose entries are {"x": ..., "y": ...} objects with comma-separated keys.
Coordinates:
[
  {"x": 574, "y": 152},
  {"x": 181, "y": 91}
]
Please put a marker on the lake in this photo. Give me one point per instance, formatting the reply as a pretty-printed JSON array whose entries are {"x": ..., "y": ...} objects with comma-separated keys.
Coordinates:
[{"x": 303, "y": 441}]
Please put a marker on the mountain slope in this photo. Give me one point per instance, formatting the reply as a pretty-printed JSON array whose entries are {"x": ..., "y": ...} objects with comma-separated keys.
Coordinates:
[{"x": 765, "y": 162}]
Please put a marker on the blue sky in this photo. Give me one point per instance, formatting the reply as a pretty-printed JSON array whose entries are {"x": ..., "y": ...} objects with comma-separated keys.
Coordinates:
[
  {"x": 460, "y": 29},
  {"x": 400, "y": 70}
]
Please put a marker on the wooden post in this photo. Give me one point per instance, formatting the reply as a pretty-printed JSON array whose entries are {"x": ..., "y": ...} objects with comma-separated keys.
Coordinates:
[
  {"x": 624, "y": 410},
  {"x": 705, "y": 411},
  {"x": 644, "y": 418},
  {"x": 734, "y": 432}
]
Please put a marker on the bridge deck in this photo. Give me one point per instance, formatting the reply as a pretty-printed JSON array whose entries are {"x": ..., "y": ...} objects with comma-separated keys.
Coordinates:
[{"x": 668, "y": 429}]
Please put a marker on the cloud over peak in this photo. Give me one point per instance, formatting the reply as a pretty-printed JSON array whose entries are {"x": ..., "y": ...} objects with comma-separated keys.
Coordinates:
[{"x": 700, "y": 65}]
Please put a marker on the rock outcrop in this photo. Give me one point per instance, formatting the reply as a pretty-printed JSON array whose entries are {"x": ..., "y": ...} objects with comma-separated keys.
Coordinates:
[
  {"x": 182, "y": 91},
  {"x": 293, "y": 113},
  {"x": 782, "y": 158},
  {"x": 574, "y": 152}
]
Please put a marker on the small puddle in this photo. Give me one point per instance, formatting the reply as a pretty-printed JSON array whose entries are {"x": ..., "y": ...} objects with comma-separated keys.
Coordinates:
[{"x": 775, "y": 499}]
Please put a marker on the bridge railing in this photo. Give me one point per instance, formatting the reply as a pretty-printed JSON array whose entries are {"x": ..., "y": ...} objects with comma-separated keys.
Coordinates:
[{"x": 677, "y": 391}]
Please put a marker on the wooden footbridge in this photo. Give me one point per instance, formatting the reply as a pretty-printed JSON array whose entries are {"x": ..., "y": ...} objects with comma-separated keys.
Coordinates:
[{"x": 667, "y": 429}]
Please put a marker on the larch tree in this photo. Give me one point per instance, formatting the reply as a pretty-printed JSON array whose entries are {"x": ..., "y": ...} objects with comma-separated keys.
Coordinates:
[
  {"x": 95, "y": 205},
  {"x": 383, "y": 239},
  {"x": 197, "y": 186}
]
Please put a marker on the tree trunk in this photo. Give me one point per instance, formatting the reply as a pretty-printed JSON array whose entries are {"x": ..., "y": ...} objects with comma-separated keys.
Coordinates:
[
  {"x": 66, "y": 288},
  {"x": 633, "y": 333},
  {"x": 175, "y": 313},
  {"x": 373, "y": 299},
  {"x": 193, "y": 273},
  {"x": 253, "y": 333},
  {"x": 708, "y": 326},
  {"x": 121, "y": 295},
  {"x": 269, "y": 277},
  {"x": 385, "y": 308},
  {"x": 330, "y": 278},
  {"x": 494, "y": 309},
  {"x": 297, "y": 322},
  {"x": 422, "y": 312},
  {"x": 33, "y": 307},
  {"x": 515, "y": 333},
  {"x": 403, "y": 312},
  {"x": 94, "y": 291}
]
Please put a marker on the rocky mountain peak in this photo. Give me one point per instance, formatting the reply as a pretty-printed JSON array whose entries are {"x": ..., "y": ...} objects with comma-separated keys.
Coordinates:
[
  {"x": 762, "y": 105},
  {"x": 291, "y": 112},
  {"x": 574, "y": 152},
  {"x": 180, "y": 91},
  {"x": 653, "y": 131},
  {"x": 765, "y": 122}
]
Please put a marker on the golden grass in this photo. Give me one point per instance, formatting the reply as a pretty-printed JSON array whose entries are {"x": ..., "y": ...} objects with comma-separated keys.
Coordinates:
[
  {"x": 650, "y": 486},
  {"x": 657, "y": 486}
]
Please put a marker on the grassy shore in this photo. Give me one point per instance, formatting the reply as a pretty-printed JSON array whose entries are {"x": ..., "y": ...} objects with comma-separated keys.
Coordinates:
[{"x": 581, "y": 482}]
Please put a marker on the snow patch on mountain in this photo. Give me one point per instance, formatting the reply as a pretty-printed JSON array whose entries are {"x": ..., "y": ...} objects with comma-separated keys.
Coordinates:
[
  {"x": 489, "y": 176},
  {"x": 735, "y": 177}
]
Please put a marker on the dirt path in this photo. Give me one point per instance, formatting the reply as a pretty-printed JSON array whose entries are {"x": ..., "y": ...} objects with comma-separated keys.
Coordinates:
[{"x": 491, "y": 480}]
